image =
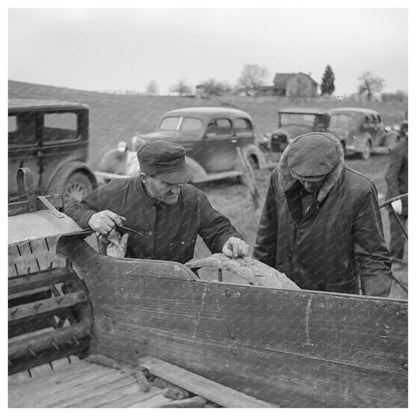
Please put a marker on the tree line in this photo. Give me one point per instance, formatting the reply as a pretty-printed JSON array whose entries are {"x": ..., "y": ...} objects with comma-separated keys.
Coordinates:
[{"x": 253, "y": 77}]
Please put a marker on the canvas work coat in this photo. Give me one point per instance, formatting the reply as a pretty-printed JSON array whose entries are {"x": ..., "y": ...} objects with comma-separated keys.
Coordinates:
[
  {"x": 169, "y": 232},
  {"x": 337, "y": 240},
  {"x": 397, "y": 173}
]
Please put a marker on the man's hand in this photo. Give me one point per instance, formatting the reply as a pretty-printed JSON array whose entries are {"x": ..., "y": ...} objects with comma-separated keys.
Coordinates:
[
  {"x": 397, "y": 206},
  {"x": 104, "y": 221},
  {"x": 235, "y": 247},
  {"x": 117, "y": 245}
]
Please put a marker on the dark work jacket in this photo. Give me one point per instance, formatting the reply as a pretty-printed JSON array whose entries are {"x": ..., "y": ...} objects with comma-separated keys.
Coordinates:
[
  {"x": 340, "y": 235},
  {"x": 397, "y": 173},
  {"x": 169, "y": 231}
]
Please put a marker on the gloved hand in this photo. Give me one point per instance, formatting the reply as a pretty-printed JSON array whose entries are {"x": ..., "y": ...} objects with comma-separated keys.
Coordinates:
[
  {"x": 397, "y": 206},
  {"x": 235, "y": 247},
  {"x": 104, "y": 221},
  {"x": 117, "y": 244}
]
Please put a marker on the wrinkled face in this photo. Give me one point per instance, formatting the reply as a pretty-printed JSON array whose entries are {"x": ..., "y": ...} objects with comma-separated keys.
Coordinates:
[
  {"x": 312, "y": 187},
  {"x": 161, "y": 190}
]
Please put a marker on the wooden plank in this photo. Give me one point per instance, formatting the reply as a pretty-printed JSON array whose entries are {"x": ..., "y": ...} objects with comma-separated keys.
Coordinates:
[
  {"x": 153, "y": 402},
  {"x": 127, "y": 399},
  {"x": 95, "y": 393},
  {"x": 49, "y": 391},
  {"x": 104, "y": 396},
  {"x": 208, "y": 389},
  {"x": 44, "y": 278},
  {"x": 46, "y": 306},
  {"x": 39, "y": 342}
]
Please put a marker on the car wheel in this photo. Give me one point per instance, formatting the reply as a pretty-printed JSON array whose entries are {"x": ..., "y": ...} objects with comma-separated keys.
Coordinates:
[
  {"x": 366, "y": 151},
  {"x": 76, "y": 187},
  {"x": 253, "y": 162}
]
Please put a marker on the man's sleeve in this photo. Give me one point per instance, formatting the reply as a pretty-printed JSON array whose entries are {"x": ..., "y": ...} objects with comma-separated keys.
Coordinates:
[
  {"x": 265, "y": 246},
  {"x": 82, "y": 211},
  {"x": 372, "y": 253},
  {"x": 215, "y": 229},
  {"x": 393, "y": 172}
]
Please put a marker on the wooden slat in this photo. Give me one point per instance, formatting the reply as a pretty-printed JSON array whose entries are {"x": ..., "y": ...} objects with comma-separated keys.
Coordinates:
[
  {"x": 208, "y": 389},
  {"x": 37, "y": 342},
  {"x": 127, "y": 399},
  {"x": 92, "y": 391},
  {"x": 42, "y": 307},
  {"x": 44, "y": 278},
  {"x": 101, "y": 394}
]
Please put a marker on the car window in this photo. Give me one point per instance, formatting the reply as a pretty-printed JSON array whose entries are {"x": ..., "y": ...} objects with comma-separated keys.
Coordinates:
[
  {"x": 191, "y": 124},
  {"x": 304, "y": 119},
  {"x": 170, "y": 123},
  {"x": 59, "y": 127},
  {"x": 341, "y": 121},
  {"x": 242, "y": 126},
  {"x": 219, "y": 128},
  {"x": 22, "y": 129}
]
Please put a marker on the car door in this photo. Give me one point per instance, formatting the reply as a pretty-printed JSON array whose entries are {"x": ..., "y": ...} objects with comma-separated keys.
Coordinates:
[
  {"x": 22, "y": 148},
  {"x": 219, "y": 146}
]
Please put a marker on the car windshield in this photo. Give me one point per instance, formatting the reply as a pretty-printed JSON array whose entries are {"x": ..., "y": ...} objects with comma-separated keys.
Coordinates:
[
  {"x": 304, "y": 119},
  {"x": 180, "y": 123},
  {"x": 341, "y": 121}
]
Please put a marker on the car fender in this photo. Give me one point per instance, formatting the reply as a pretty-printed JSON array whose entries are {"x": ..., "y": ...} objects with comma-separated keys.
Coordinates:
[
  {"x": 113, "y": 161},
  {"x": 252, "y": 150},
  {"x": 199, "y": 174},
  {"x": 361, "y": 140},
  {"x": 63, "y": 172}
]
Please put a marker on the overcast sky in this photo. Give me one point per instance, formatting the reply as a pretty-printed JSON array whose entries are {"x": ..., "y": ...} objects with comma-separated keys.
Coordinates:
[{"x": 118, "y": 49}]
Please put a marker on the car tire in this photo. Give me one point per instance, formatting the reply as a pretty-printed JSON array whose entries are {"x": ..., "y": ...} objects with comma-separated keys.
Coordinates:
[
  {"x": 366, "y": 152},
  {"x": 254, "y": 163},
  {"x": 76, "y": 187}
]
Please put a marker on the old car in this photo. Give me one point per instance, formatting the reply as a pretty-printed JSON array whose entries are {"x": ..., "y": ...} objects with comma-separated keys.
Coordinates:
[
  {"x": 51, "y": 139},
  {"x": 210, "y": 135},
  {"x": 293, "y": 122},
  {"x": 361, "y": 131}
]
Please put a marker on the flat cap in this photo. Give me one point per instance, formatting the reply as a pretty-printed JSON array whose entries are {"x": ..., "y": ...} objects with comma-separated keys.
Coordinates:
[
  {"x": 312, "y": 156},
  {"x": 166, "y": 160}
]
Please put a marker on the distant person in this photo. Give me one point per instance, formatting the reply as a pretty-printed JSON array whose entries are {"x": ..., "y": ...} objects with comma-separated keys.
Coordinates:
[
  {"x": 397, "y": 184},
  {"x": 321, "y": 225},
  {"x": 159, "y": 204}
]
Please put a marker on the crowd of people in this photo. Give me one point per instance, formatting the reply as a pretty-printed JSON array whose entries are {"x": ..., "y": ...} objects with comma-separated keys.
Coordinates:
[{"x": 320, "y": 224}]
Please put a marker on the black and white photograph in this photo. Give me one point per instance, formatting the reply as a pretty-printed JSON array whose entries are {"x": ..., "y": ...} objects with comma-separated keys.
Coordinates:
[{"x": 208, "y": 204}]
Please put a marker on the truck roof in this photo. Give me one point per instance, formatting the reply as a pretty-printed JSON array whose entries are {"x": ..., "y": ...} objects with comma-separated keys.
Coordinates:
[
  {"x": 25, "y": 104},
  {"x": 306, "y": 110}
]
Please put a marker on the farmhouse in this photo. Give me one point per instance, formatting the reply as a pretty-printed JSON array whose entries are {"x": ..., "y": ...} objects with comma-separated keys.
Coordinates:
[{"x": 290, "y": 85}]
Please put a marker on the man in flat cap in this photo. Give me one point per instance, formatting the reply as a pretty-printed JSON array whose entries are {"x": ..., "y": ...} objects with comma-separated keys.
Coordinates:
[
  {"x": 321, "y": 224},
  {"x": 166, "y": 212}
]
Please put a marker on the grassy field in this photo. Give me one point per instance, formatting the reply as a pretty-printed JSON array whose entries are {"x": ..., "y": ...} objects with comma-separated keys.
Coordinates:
[{"x": 118, "y": 117}]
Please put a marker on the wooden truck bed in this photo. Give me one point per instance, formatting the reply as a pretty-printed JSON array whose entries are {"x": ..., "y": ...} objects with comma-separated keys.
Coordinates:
[{"x": 80, "y": 384}]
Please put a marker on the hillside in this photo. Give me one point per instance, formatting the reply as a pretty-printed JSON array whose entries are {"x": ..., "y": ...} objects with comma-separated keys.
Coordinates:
[{"x": 117, "y": 117}]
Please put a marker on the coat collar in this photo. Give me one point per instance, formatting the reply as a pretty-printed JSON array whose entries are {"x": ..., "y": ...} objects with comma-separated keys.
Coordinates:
[{"x": 286, "y": 180}]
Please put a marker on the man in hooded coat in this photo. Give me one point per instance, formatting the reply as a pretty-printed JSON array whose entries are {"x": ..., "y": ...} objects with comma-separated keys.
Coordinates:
[{"x": 321, "y": 224}]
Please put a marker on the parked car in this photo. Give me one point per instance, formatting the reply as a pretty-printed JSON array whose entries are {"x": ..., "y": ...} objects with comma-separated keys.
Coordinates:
[
  {"x": 210, "y": 135},
  {"x": 51, "y": 139},
  {"x": 293, "y": 122},
  {"x": 361, "y": 131}
]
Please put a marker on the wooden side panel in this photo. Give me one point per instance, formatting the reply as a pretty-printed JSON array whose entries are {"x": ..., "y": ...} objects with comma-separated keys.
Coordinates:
[{"x": 291, "y": 348}]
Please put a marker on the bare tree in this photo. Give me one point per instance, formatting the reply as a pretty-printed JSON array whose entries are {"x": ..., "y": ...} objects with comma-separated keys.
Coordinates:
[
  {"x": 181, "y": 88},
  {"x": 214, "y": 87},
  {"x": 152, "y": 88},
  {"x": 369, "y": 84},
  {"x": 252, "y": 77}
]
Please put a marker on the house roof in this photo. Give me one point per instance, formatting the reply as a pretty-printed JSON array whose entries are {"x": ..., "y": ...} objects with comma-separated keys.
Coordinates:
[{"x": 281, "y": 79}]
